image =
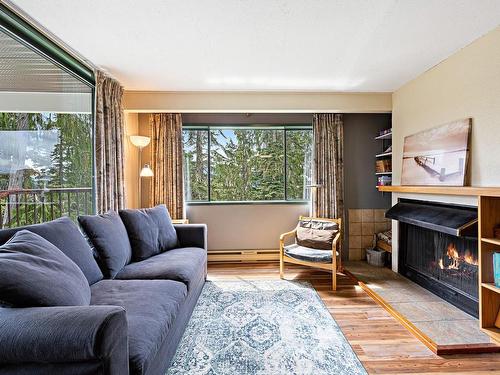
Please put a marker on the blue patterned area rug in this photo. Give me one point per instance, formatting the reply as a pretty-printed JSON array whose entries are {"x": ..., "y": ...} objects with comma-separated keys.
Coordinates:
[{"x": 263, "y": 328}]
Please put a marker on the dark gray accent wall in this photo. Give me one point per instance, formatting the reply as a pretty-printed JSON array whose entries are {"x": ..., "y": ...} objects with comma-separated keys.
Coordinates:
[
  {"x": 360, "y": 149},
  {"x": 360, "y": 180}
]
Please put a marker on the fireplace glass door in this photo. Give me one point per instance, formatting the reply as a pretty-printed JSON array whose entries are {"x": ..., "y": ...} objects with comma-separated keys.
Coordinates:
[{"x": 445, "y": 264}]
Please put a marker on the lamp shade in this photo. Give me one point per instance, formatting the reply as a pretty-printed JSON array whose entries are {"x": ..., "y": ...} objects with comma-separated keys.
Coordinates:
[
  {"x": 146, "y": 171},
  {"x": 139, "y": 140}
]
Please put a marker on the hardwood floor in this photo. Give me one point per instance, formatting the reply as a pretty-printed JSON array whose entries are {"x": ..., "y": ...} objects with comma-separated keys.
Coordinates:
[{"x": 381, "y": 343}]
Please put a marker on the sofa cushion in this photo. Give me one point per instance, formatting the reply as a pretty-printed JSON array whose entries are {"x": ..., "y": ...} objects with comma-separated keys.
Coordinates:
[
  {"x": 150, "y": 231},
  {"x": 65, "y": 235},
  {"x": 34, "y": 272},
  {"x": 151, "y": 306},
  {"x": 316, "y": 234},
  {"x": 109, "y": 237},
  {"x": 184, "y": 264}
]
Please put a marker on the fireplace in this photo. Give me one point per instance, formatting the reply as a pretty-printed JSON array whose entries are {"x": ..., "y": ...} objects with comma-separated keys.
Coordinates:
[{"x": 438, "y": 250}]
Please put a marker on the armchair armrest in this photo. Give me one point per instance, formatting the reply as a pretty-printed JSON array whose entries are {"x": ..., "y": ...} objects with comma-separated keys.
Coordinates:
[
  {"x": 335, "y": 240},
  {"x": 192, "y": 235},
  {"x": 65, "y": 334},
  {"x": 284, "y": 236}
]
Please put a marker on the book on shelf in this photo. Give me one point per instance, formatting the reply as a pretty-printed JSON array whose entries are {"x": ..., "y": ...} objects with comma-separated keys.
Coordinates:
[
  {"x": 496, "y": 269},
  {"x": 497, "y": 322}
]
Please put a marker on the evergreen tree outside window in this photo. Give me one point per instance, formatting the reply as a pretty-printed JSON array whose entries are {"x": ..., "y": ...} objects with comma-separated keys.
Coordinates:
[
  {"x": 195, "y": 165},
  {"x": 247, "y": 163}
]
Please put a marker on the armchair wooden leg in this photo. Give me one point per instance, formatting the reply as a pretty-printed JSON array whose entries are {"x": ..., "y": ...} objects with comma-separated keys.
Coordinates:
[
  {"x": 334, "y": 274},
  {"x": 282, "y": 265}
]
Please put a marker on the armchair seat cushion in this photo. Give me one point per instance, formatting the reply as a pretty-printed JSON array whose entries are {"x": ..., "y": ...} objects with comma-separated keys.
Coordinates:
[{"x": 308, "y": 254}]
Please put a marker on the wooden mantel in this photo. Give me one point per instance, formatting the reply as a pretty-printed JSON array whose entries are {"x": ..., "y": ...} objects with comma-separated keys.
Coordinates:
[{"x": 443, "y": 190}]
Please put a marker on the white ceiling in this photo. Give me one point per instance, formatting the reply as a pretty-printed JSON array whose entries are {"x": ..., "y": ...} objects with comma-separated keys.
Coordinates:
[{"x": 245, "y": 45}]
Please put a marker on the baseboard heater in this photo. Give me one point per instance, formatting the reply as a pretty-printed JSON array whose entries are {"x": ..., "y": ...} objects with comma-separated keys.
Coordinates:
[{"x": 243, "y": 256}]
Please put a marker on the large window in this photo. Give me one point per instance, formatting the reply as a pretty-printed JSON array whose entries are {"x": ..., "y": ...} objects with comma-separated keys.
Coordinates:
[
  {"x": 45, "y": 166},
  {"x": 46, "y": 134},
  {"x": 247, "y": 164}
]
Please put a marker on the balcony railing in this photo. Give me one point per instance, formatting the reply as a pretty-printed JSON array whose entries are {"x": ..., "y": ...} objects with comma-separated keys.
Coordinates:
[{"x": 32, "y": 206}]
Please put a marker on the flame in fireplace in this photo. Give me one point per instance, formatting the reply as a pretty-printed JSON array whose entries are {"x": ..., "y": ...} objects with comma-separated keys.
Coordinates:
[
  {"x": 454, "y": 259},
  {"x": 453, "y": 256},
  {"x": 469, "y": 258}
]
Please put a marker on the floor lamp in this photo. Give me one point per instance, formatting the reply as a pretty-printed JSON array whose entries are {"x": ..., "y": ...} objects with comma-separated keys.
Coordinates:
[{"x": 145, "y": 171}]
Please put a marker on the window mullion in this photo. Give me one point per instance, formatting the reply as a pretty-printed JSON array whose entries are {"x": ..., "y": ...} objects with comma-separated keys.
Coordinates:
[
  {"x": 209, "y": 157},
  {"x": 285, "y": 164}
]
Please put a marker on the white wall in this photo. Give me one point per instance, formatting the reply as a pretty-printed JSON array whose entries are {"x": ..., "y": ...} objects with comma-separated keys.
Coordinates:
[
  {"x": 256, "y": 102},
  {"x": 245, "y": 227},
  {"x": 467, "y": 84},
  {"x": 131, "y": 161}
]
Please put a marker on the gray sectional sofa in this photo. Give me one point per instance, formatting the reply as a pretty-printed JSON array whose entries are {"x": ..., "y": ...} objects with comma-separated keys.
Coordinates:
[{"x": 134, "y": 320}]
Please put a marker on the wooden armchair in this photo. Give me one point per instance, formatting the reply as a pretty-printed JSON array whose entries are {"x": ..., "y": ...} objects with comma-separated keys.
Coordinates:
[{"x": 315, "y": 245}]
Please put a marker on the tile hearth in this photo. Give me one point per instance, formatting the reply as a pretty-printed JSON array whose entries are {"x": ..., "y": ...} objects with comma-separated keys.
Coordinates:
[{"x": 443, "y": 323}]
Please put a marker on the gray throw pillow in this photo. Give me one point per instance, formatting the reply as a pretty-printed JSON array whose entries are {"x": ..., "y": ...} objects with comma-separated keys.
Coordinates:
[
  {"x": 316, "y": 234},
  {"x": 34, "y": 272},
  {"x": 109, "y": 237},
  {"x": 150, "y": 231}
]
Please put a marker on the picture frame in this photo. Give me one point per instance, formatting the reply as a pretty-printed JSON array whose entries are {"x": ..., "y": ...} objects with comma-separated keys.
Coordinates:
[{"x": 438, "y": 156}]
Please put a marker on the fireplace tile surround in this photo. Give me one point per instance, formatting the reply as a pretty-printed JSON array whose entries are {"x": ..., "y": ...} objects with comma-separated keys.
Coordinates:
[{"x": 363, "y": 224}]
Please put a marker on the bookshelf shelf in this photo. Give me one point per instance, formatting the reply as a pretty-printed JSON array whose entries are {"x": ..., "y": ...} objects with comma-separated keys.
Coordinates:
[
  {"x": 491, "y": 286},
  {"x": 384, "y": 136},
  {"x": 493, "y": 241},
  {"x": 494, "y": 332}
]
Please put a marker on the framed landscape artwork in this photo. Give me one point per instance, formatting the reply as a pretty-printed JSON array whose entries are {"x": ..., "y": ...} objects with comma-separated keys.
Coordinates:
[{"x": 438, "y": 156}]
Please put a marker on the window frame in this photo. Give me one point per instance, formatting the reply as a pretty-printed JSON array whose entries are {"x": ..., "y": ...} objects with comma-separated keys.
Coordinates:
[
  {"x": 32, "y": 37},
  {"x": 213, "y": 126}
]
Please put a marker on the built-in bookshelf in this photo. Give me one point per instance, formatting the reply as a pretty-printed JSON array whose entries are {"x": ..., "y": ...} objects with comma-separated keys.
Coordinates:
[
  {"x": 384, "y": 158},
  {"x": 489, "y": 294}
]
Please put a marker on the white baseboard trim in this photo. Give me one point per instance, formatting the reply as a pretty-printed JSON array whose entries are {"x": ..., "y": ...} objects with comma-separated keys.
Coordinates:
[{"x": 253, "y": 255}]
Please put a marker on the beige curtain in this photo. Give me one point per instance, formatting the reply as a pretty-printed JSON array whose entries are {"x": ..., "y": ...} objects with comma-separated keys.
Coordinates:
[
  {"x": 328, "y": 169},
  {"x": 109, "y": 134},
  {"x": 166, "y": 161}
]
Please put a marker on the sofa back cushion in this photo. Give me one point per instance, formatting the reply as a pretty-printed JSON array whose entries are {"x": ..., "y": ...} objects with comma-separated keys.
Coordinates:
[
  {"x": 150, "y": 231},
  {"x": 65, "y": 235},
  {"x": 316, "y": 234},
  {"x": 34, "y": 272},
  {"x": 109, "y": 237}
]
